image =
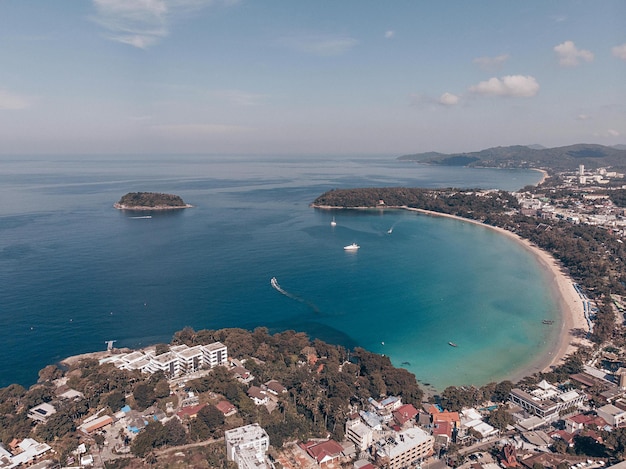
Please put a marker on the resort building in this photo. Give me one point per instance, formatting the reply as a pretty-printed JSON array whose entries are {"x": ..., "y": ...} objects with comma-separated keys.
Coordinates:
[
  {"x": 179, "y": 360},
  {"x": 547, "y": 401},
  {"x": 190, "y": 358},
  {"x": 247, "y": 445},
  {"x": 167, "y": 362},
  {"x": 215, "y": 354},
  {"x": 405, "y": 448}
]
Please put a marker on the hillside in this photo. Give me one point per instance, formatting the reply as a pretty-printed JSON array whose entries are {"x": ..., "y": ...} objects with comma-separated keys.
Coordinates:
[{"x": 557, "y": 159}]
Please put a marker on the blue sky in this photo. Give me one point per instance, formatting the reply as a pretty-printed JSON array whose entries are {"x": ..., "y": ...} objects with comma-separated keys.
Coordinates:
[{"x": 319, "y": 77}]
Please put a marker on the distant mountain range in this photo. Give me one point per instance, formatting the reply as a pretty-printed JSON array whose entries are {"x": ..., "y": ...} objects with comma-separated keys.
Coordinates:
[{"x": 532, "y": 156}]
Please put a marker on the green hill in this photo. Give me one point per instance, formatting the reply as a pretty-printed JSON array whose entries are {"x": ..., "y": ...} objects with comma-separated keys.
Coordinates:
[{"x": 566, "y": 158}]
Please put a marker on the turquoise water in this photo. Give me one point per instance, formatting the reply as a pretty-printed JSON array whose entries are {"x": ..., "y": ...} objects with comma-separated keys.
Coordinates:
[{"x": 74, "y": 272}]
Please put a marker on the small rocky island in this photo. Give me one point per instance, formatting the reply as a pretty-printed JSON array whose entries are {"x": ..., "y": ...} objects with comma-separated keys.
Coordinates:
[{"x": 150, "y": 201}]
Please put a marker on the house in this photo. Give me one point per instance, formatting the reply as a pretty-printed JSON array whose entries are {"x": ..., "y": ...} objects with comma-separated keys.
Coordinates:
[
  {"x": 579, "y": 422},
  {"x": 241, "y": 374},
  {"x": 41, "y": 412},
  {"x": 190, "y": 412},
  {"x": 323, "y": 452},
  {"x": 226, "y": 408},
  {"x": 404, "y": 414},
  {"x": 258, "y": 396},
  {"x": 275, "y": 387}
]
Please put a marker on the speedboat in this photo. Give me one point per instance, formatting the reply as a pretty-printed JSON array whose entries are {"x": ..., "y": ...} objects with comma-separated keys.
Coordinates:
[
  {"x": 333, "y": 222},
  {"x": 351, "y": 247}
]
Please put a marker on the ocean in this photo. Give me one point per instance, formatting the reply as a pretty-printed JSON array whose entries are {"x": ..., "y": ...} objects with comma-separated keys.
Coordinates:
[{"x": 75, "y": 272}]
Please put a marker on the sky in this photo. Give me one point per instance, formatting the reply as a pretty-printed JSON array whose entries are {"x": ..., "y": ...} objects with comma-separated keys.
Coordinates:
[{"x": 321, "y": 77}]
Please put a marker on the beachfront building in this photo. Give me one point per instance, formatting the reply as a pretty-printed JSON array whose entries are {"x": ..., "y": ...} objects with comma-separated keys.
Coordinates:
[
  {"x": 247, "y": 445},
  {"x": 190, "y": 358},
  {"x": 179, "y": 360},
  {"x": 547, "y": 401},
  {"x": 215, "y": 354}
]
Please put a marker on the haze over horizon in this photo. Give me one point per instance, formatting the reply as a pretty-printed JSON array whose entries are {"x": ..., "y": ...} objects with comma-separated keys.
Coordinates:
[{"x": 278, "y": 77}]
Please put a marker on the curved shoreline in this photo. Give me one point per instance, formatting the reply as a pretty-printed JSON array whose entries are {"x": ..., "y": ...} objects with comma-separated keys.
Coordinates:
[{"x": 570, "y": 304}]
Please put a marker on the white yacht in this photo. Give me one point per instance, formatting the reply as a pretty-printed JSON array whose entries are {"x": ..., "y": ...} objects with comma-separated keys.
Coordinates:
[{"x": 351, "y": 247}]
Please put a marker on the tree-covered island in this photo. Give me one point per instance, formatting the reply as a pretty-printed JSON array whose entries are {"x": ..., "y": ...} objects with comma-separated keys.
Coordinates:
[{"x": 150, "y": 201}]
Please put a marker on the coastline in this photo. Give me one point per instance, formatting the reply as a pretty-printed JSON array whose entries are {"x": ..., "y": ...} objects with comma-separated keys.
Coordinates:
[
  {"x": 156, "y": 207},
  {"x": 573, "y": 325},
  {"x": 573, "y": 322}
]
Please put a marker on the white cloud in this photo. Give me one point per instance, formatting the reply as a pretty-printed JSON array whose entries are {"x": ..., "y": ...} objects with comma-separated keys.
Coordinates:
[
  {"x": 389, "y": 34},
  {"x": 189, "y": 130},
  {"x": 619, "y": 51},
  {"x": 491, "y": 63},
  {"x": 142, "y": 23},
  {"x": 13, "y": 102},
  {"x": 324, "y": 46},
  {"x": 449, "y": 99},
  {"x": 518, "y": 86},
  {"x": 613, "y": 133},
  {"x": 583, "y": 117},
  {"x": 570, "y": 56}
]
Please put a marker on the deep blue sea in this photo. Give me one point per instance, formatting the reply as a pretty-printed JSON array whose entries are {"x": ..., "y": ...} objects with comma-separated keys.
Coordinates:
[{"x": 75, "y": 272}]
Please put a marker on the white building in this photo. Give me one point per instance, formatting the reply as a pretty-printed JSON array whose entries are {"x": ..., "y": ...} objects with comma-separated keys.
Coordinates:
[
  {"x": 215, "y": 354},
  {"x": 191, "y": 358},
  {"x": 406, "y": 447},
  {"x": 612, "y": 415},
  {"x": 247, "y": 445},
  {"x": 179, "y": 360},
  {"x": 359, "y": 434},
  {"x": 547, "y": 401}
]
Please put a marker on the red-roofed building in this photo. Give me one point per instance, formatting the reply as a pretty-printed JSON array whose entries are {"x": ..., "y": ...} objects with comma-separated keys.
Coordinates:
[
  {"x": 580, "y": 421},
  {"x": 452, "y": 417},
  {"x": 442, "y": 431},
  {"x": 323, "y": 452},
  {"x": 226, "y": 408},
  {"x": 189, "y": 412},
  {"x": 404, "y": 414}
]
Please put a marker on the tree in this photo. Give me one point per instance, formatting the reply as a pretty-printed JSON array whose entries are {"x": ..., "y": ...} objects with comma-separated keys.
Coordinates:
[
  {"x": 211, "y": 417},
  {"x": 144, "y": 395}
]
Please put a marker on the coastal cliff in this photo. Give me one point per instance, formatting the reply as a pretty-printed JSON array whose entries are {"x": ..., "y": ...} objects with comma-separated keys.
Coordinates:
[{"x": 150, "y": 201}]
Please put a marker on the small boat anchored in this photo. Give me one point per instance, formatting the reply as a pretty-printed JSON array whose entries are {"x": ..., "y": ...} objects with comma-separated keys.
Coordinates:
[
  {"x": 333, "y": 222},
  {"x": 452, "y": 344},
  {"x": 351, "y": 247}
]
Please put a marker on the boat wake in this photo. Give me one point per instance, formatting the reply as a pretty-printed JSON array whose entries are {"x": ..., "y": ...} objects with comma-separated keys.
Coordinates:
[{"x": 279, "y": 289}]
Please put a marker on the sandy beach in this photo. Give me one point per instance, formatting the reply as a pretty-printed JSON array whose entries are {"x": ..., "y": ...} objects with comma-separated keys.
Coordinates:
[{"x": 573, "y": 323}]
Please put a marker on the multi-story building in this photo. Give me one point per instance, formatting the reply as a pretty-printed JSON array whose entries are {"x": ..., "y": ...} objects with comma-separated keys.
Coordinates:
[
  {"x": 547, "y": 401},
  {"x": 168, "y": 363},
  {"x": 191, "y": 358},
  {"x": 405, "y": 448},
  {"x": 247, "y": 445},
  {"x": 215, "y": 354},
  {"x": 359, "y": 434},
  {"x": 179, "y": 360}
]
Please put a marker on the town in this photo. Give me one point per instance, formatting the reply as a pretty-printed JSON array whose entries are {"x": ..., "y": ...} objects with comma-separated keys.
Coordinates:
[{"x": 249, "y": 399}]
